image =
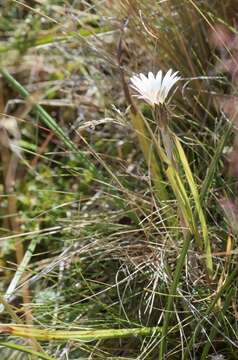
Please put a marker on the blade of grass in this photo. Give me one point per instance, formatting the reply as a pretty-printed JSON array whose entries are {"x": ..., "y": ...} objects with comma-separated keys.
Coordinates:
[
  {"x": 26, "y": 350},
  {"x": 172, "y": 293},
  {"x": 19, "y": 272},
  {"x": 80, "y": 335},
  {"x": 206, "y": 248},
  {"x": 51, "y": 123},
  {"x": 229, "y": 281},
  {"x": 183, "y": 200},
  {"x": 216, "y": 325},
  {"x": 211, "y": 170}
]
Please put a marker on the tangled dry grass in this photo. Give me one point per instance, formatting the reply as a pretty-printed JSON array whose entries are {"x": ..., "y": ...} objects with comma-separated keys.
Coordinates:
[{"x": 110, "y": 249}]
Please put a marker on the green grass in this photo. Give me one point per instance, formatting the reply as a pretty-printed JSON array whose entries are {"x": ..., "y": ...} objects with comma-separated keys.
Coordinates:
[{"x": 127, "y": 228}]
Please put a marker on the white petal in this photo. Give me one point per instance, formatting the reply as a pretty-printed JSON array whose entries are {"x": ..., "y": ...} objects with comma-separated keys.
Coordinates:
[
  {"x": 170, "y": 85},
  {"x": 166, "y": 78},
  {"x": 142, "y": 85},
  {"x": 159, "y": 78},
  {"x": 153, "y": 86},
  {"x": 159, "y": 75},
  {"x": 137, "y": 89},
  {"x": 143, "y": 77},
  {"x": 137, "y": 82},
  {"x": 171, "y": 79},
  {"x": 167, "y": 83},
  {"x": 151, "y": 76},
  {"x": 146, "y": 82}
]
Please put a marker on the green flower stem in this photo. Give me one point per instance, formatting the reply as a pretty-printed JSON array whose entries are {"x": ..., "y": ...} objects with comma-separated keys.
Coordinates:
[
  {"x": 172, "y": 293},
  {"x": 168, "y": 145}
]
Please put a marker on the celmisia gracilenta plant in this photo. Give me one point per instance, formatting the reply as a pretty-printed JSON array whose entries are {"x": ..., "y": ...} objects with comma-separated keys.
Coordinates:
[{"x": 154, "y": 90}]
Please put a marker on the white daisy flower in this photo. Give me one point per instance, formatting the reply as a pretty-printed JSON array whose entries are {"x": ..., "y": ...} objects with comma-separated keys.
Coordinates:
[{"x": 154, "y": 89}]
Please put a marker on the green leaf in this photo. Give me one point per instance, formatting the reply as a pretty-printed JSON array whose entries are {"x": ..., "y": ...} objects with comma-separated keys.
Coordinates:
[{"x": 193, "y": 187}]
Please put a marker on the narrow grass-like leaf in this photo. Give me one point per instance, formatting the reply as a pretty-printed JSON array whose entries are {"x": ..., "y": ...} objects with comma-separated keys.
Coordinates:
[
  {"x": 228, "y": 283},
  {"x": 26, "y": 350},
  {"x": 217, "y": 324},
  {"x": 19, "y": 272},
  {"x": 215, "y": 160},
  {"x": 182, "y": 198},
  {"x": 193, "y": 187},
  {"x": 76, "y": 335},
  {"x": 172, "y": 292},
  {"x": 51, "y": 123}
]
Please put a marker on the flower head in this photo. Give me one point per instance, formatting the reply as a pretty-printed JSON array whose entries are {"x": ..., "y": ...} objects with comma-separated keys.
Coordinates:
[{"x": 154, "y": 89}]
